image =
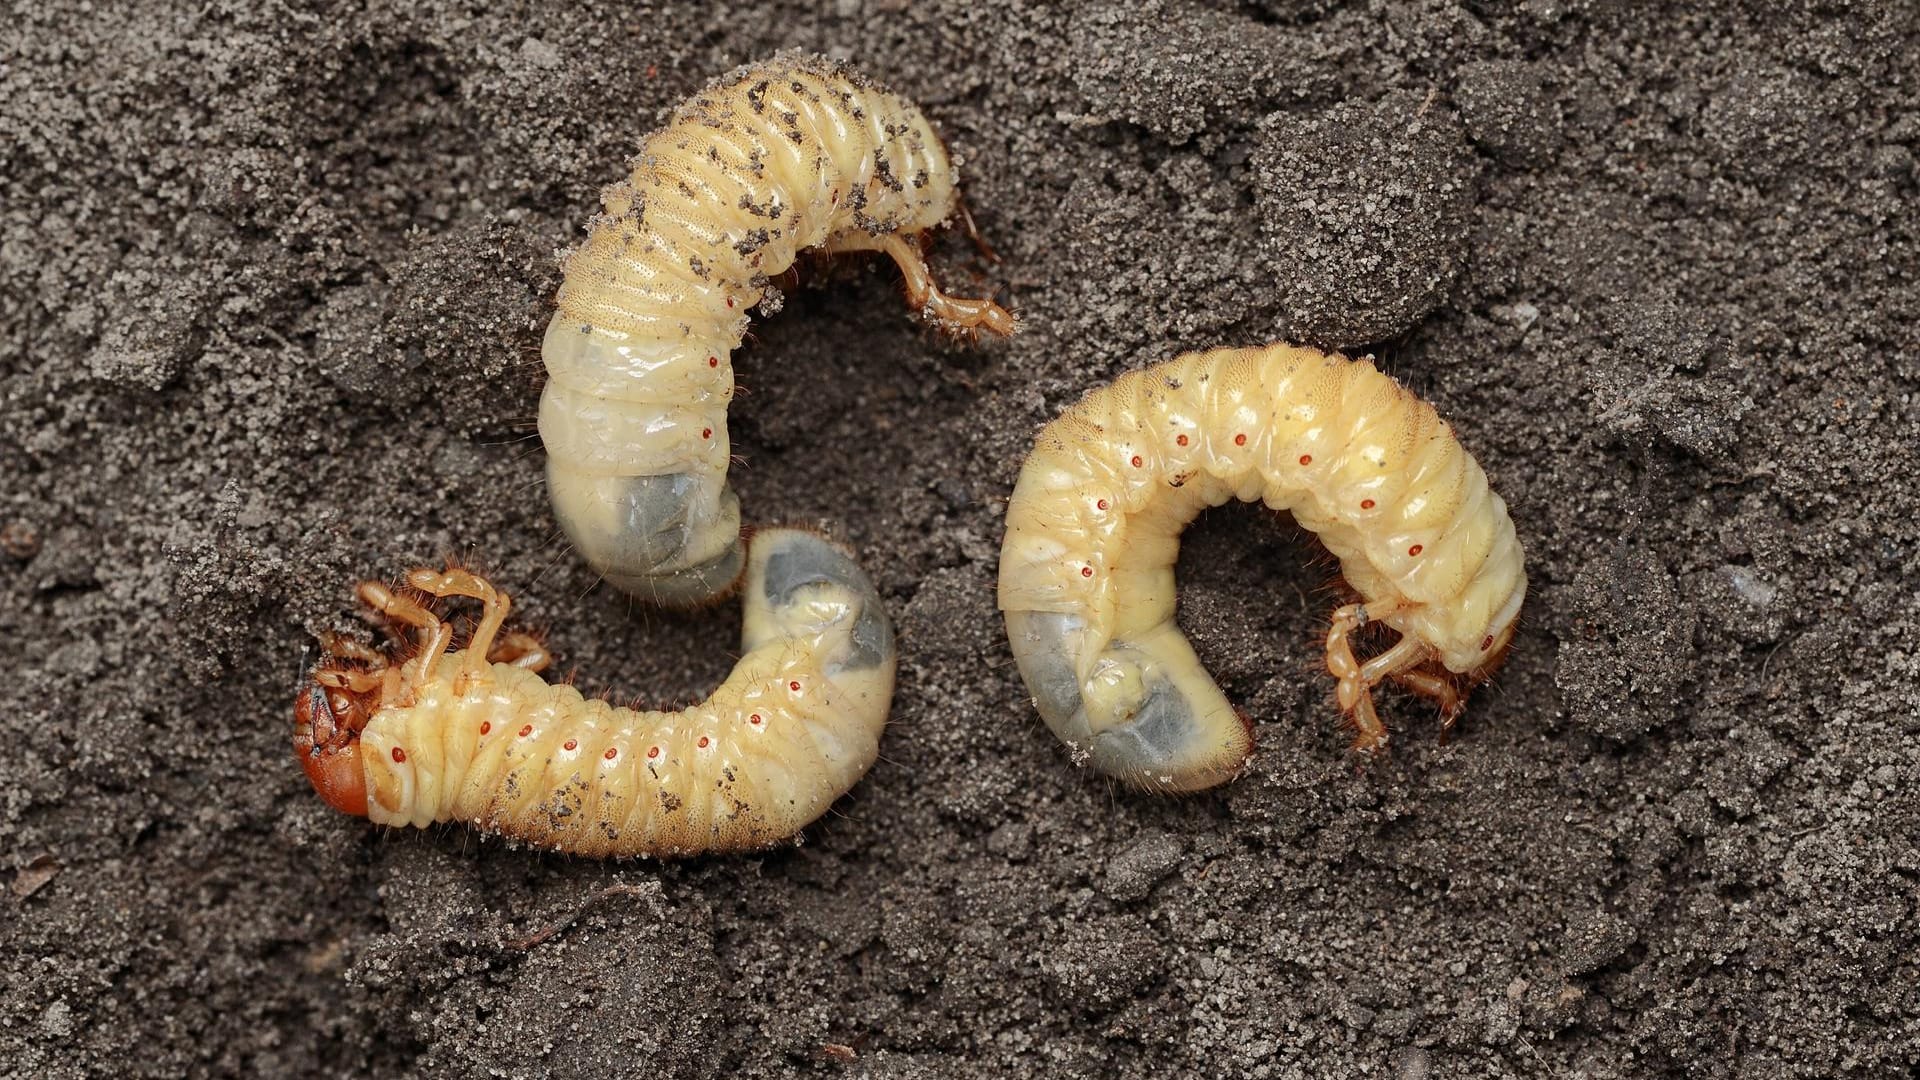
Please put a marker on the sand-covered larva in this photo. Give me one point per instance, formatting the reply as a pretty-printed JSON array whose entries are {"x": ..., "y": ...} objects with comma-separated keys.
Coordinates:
[
  {"x": 780, "y": 157},
  {"x": 1093, "y": 531},
  {"x": 476, "y": 735}
]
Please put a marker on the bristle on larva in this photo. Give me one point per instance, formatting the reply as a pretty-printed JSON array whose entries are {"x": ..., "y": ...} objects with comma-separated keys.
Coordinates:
[
  {"x": 779, "y": 157},
  {"x": 1093, "y": 532},
  {"x": 477, "y": 736}
]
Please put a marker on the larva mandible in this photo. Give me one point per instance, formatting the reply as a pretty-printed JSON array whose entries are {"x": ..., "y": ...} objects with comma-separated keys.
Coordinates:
[
  {"x": 779, "y": 157},
  {"x": 1093, "y": 532},
  {"x": 476, "y": 735}
]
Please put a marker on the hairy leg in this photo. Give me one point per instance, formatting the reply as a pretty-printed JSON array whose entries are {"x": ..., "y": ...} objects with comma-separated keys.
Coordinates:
[
  {"x": 1350, "y": 685},
  {"x": 1437, "y": 688},
  {"x": 960, "y": 313},
  {"x": 495, "y": 606},
  {"x": 341, "y": 647},
  {"x": 1405, "y": 655},
  {"x": 521, "y": 650},
  {"x": 435, "y": 636}
]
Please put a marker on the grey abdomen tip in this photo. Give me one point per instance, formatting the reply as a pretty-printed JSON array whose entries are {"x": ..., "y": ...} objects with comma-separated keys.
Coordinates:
[
  {"x": 645, "y": 533},
  {"x": 1178, "y": 733},
  {"x": 796, "y": 559}
]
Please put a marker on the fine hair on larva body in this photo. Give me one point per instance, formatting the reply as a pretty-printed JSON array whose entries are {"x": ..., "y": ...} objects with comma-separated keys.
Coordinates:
[
  {"x": 476, "y": 735},
  {"x": 780, "y": 157},
  {"x": 1093, "y": 533}
]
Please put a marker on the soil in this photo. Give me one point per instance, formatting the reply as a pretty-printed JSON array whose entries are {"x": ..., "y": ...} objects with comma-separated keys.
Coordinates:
[{"x": 272, "y": 282}]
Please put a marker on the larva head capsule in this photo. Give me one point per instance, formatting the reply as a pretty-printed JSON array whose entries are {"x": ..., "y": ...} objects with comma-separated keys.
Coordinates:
[{"x": 327, "y": 719}]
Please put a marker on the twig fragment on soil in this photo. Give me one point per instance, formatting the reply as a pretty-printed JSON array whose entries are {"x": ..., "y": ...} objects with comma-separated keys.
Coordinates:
[{"x": 540, "y": 936}]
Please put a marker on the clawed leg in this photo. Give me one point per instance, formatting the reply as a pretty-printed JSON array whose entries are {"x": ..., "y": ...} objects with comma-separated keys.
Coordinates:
[
  {"x": 521, "y": 650},
  {"x": 924, "y": 294},
  {"x": 1404, "y": 663},
  {"x": 496, "y": 605},
  {"x": 1350, "y": 685},
  {"x": 435, "y": 636},
  {"x": 341, "y": 647},
  {"x": 1439, "y": 689},
  {"x": 959, "y": 313},
  {"x": 489, "y": 644},
  {"x": 1356, "y": 680}
]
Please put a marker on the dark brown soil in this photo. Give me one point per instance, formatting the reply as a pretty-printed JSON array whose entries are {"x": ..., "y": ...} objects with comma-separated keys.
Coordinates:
[{"x": 272, "y": 279}]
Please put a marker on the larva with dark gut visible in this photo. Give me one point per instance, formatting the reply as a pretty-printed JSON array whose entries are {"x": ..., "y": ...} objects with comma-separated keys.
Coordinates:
[
  {"x": 476, "y": 735},
  {"x": 1093, "y": 532},
  {"x": 779, "y": 157}
]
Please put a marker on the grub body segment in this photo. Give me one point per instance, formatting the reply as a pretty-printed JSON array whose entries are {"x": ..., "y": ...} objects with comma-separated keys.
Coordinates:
[
  {"x": 776, "y": 158},
  {"x": 1093, "y": 528},
  {"x": 455, "y": 736}
]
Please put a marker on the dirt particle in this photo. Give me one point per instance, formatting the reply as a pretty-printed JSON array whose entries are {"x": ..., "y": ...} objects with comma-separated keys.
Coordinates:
[
  {"x": 1593, "y": 941},
  {"x": 1365, "y": 249},
  {"x": 34, "y": 875},
  {"x": 1630, "y": 647},
  {"x": 1133, "y": 872},
  {"x": 19, "y": 540},
  {"x": 1507, "y": 112},
  {"x": 1097, "y": 964}
]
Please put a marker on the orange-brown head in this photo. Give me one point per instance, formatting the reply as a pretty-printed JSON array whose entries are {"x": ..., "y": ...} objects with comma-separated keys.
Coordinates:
[{"x": 327, "y": 720}]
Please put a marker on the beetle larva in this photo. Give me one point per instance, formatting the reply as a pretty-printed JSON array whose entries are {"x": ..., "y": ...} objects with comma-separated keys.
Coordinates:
[
  {"x": 777, "y": 158},
  {"x": 476, "y": 735},
  {"x": 1093, "y": 531}
]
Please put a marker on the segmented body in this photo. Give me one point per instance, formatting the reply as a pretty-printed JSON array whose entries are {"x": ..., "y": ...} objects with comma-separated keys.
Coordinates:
[
  {"x": 777, "y": 158},
  {"x": 450, "y": 736},
  {"x": 1093, "y": 532}
]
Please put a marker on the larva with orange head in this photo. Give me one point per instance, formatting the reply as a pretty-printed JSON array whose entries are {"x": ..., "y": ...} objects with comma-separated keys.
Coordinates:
[
  {"x": 777, "y": 158},
  {"x": 1093, "y": 531},
  {"x": 476, "y": 735}
]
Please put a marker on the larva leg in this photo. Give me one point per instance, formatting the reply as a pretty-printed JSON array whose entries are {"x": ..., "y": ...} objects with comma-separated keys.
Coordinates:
[
  {"x": 521, "y": 650},
  {"x": 435, "y": 636},
  {"x": 1352, "y": 688},
  {"x": 496, "y": 604},
  {"x": 1439, "y": 689},
  {"x": 395, "y": 629},
  {"x": 1405, "y": 664},
  {"x": 1407, "y": 654},
  {"x": 341, "y": 647},
  {"x": 456, "y": 582},
  {"x": 925, "y": 296},
  {"x": 376, "y": 595}
]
